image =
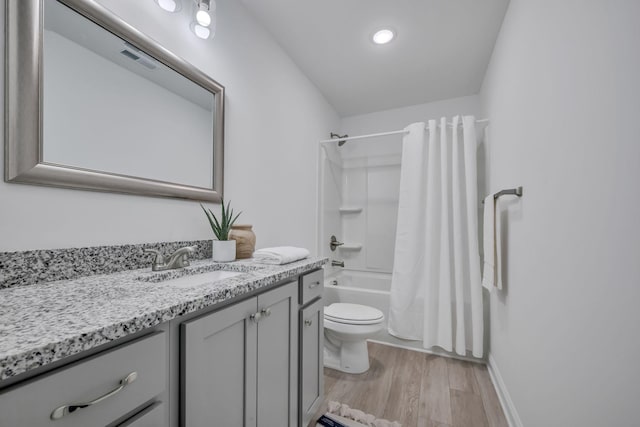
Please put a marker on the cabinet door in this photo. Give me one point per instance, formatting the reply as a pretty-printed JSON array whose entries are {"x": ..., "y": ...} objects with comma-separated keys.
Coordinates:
[
  {"x": 311, "y": 359},
  {"x": 277, "y": 357},
  {"x": 219, "y": 368}
]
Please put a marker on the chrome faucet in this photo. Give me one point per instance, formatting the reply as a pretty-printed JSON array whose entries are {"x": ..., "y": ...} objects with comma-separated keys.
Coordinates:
[
  {"x": 179, "y": 259},
  {"x": 335, "y": 263}
]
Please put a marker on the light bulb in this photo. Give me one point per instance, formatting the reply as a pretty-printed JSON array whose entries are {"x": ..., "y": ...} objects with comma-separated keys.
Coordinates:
[
  {"x": 383, "y": 36},
  {"x": 203, "y": 17},
  {"x": 168, "y": 5},
  {"x": 200, "y": 31}
]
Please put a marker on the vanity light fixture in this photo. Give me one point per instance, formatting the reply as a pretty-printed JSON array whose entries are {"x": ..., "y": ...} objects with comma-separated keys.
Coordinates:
[
  {"x": 204, "y": 25},
  {"x": 383, "y": 36},
  {"x": 169, "y": 5},
  {"x": 204, "y": 15}
]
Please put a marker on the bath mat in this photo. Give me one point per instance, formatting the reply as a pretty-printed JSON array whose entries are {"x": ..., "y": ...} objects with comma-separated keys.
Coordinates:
[{"x": 341, "y": 415}]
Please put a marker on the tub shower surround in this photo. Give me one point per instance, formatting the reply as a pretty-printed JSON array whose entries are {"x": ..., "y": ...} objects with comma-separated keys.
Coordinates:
[
  {"x": 48, "y": 265},
  {"x": 43, "y": 323}
]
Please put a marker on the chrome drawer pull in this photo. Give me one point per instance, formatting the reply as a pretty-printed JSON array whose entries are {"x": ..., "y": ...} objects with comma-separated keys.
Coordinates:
[
  {"x": 308, "y": 322},
  {"x": 314, "y": 284},
  {"x": 68, "y": 409},
  {"x": 255, "y": 317}
]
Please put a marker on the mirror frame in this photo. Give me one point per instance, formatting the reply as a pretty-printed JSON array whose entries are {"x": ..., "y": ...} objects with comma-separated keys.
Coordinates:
[{"x": 23, "y": 107}]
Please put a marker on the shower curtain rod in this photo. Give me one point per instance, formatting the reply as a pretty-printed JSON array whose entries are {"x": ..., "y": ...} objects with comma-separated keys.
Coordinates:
[{"x": 395, "y": 132}]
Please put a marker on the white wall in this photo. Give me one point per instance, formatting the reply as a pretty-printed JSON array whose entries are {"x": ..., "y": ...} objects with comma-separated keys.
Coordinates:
[
  {"x": 563, "y": 96},
  {"x": 274, "y": 119}
]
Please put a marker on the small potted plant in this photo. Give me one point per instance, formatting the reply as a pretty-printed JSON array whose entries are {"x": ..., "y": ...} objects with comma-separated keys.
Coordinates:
[{"x": 223, "y": 249}]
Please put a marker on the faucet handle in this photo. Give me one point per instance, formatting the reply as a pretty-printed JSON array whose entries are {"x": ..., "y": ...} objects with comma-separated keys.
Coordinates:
[
  {"x": 183, "y": 260},
  {"x": 183, "y": 253},
  {"x": 333, "y": 243},
  {"x": 158, "y": 258}
]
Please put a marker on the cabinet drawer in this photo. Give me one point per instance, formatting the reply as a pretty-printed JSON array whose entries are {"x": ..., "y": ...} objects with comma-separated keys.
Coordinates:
[
  {"x": 311, "y": 286},
  {"x": 34, "y": 403},
  {"x": 152, "y": 416}
]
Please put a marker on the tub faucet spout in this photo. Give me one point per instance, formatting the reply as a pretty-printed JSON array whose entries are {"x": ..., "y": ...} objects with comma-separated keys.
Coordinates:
[{"x": 335, "y": 263}]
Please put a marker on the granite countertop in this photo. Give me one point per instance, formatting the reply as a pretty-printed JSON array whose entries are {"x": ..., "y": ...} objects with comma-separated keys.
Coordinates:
[{"x": 43, "y": 323}]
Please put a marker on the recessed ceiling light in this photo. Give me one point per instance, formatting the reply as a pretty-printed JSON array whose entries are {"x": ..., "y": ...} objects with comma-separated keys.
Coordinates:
[{"x": 383, "y": 36}]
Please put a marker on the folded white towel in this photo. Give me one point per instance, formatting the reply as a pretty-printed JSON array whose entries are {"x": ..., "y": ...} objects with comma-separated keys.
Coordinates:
[
  {"x": 491, "y": 274},
  {"x": 280, "y": 255}
]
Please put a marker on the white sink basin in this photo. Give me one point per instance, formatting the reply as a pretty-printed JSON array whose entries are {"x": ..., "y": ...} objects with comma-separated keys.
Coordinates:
[{"x": 200, "y": 279}]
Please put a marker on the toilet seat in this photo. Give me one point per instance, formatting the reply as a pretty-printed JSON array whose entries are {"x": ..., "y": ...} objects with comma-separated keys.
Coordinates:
[{"x": 353, "y": 314}]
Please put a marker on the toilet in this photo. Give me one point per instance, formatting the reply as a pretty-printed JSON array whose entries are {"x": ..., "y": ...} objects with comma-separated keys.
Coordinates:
[{"x": 346, "y": 329}]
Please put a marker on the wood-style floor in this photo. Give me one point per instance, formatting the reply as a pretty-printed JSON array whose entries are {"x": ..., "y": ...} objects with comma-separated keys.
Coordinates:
[{"x": 417, "y": 390}]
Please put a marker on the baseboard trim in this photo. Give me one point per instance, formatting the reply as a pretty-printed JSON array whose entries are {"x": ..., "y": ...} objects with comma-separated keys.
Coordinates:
[{"x": 510, "y": 412}]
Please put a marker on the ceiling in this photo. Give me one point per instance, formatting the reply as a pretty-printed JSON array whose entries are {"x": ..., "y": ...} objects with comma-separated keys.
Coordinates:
[{"x": 441, "y": 50}]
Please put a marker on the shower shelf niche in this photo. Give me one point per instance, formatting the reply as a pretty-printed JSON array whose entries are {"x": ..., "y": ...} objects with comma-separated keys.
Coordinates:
[
  {"x": 350, "y": 209},
  {"x": 351, "y": 247}
]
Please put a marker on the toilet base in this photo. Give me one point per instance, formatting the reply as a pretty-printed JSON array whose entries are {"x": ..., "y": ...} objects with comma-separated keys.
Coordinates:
[{"x": 350, "y": 357}]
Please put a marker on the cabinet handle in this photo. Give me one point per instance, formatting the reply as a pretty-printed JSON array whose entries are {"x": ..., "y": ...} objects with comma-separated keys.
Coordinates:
[
  {"x": 266, "y": 312},
  {"x": 314, "y": 284},
  {"x": 256, "y": 317},
  {"x": 308, "y": 322},
  {"x": 68, "y": 409}
]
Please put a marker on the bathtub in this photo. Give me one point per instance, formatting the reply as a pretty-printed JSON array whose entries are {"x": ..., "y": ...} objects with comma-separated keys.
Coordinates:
[{"x": 359, "y": 287}]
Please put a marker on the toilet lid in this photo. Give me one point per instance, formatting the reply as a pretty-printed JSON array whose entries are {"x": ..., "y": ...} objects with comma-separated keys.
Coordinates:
[{"x": 354, "y": 314}]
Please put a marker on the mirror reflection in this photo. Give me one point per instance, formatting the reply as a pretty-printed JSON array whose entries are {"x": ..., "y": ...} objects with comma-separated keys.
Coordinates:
[{"x": 109, "y": 107}]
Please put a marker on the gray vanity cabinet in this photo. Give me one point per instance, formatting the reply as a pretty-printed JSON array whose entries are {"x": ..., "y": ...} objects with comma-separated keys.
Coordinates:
[
  {"x": 239, "y": 364},
  {"x": 256, "y": 362}
]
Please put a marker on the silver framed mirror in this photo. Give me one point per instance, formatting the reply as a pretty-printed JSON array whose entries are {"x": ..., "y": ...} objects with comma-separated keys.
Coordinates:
[{"x": 94, "y": 104}]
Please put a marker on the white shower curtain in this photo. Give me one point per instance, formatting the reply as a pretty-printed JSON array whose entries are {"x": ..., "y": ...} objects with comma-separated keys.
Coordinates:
[{"x": 436, "y": 290}]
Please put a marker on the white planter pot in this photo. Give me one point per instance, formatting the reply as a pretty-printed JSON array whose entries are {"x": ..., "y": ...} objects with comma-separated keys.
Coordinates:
[{"x": 224, "y": 250}]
